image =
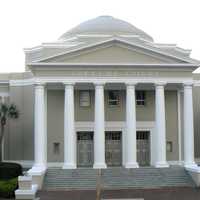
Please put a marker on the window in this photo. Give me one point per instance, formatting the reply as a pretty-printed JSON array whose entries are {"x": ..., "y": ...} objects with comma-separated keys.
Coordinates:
[
  {"x": 56, "y": 148},
  {"x": 113, "y": 98},
  {"x": 140, "y": 98},
  {"x": 169, "y": 146},
  {"x": 84, "y": 98}
]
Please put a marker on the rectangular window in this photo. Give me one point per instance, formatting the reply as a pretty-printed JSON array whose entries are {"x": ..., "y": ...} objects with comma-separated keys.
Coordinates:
[
  {"x": 84, "y": 98},
  {"x": 113, "y": 98},
  {"x": 140, "y": 98},
  {"x": 56, "y": 148},
  {"x": 169, "y": 146}
]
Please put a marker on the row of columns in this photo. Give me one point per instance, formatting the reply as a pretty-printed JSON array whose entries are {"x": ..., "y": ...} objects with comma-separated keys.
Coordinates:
[{"x": 99, "y": 127}]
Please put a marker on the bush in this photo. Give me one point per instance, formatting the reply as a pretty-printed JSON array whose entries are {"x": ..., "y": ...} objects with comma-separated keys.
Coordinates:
[
  {"x": 8, "y": 187},
  {"x": 10, "y": 170}
]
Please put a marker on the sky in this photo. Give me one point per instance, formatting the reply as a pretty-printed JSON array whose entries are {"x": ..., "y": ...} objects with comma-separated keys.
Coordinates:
[{"x": 28, "y": 23}]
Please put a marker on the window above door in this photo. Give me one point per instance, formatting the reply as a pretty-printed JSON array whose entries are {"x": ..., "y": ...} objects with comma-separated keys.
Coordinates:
[{"x": 140, "y": 98}]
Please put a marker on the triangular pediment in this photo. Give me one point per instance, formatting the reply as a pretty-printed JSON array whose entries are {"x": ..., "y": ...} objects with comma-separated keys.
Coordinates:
[{"x": 115, "y": 52}]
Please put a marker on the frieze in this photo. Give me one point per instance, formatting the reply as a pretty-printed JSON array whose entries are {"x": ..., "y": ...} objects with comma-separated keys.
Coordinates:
[{"x": 87, "y": 73}]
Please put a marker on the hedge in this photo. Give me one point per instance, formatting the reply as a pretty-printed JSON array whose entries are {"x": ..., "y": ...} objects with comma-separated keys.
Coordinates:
[
  {"x": 10, "y": 170},
  {"x": 8, "y": 187}
]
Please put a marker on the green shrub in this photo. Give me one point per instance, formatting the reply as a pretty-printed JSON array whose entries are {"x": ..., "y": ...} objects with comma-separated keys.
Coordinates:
[
  {"x": 8, "y": 187},
  {"x": 9, "y": 170}
]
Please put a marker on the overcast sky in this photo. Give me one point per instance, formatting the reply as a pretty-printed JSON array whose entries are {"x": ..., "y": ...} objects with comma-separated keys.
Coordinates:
[{"x": 27, "y": 23}]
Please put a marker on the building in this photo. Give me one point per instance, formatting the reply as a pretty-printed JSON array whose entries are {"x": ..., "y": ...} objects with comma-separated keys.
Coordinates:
[{"x": 104, "y": 94}]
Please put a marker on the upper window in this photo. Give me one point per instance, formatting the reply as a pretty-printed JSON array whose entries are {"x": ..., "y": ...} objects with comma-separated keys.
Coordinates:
[
  {"x": 84, "y": 98},
  {"x": 113, "y": 98},
  {"x": 140, "y": 98}
]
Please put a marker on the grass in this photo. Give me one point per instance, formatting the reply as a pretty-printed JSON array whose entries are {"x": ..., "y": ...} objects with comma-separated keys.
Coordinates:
[{"x": 7, "y": 187}]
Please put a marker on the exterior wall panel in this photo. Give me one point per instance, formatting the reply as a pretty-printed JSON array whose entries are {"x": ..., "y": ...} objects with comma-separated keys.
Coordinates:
[{"x": 196, "y": 103}]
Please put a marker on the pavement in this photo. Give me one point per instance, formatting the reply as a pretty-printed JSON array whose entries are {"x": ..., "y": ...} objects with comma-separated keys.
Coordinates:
[{"x": 146, "y": 194}]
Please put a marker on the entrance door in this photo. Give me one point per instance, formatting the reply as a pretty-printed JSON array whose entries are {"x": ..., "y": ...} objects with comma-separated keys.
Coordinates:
[
  {"x": 113, "y": 148},
  {"x": 143, "y": 148},
  {"x": 85, "y": 153}
]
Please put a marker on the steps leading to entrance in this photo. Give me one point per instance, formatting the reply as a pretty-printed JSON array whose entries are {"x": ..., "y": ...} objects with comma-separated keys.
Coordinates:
[{"x": 117, "y": 178}]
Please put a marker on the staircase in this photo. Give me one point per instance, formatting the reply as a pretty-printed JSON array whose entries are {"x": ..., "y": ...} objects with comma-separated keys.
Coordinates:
[{"x": 117, "y": 178}]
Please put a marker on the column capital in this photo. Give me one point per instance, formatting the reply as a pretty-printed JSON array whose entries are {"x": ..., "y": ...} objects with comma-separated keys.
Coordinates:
[
  {"x": 160, "y": 83},
  {"x": 39, "y": 84},
  {"x": 131, "y": 83},
  {"x": 68, "y": 83},
  {"x": 188, "y": 84},
  {"x": 99, "y": 83}
]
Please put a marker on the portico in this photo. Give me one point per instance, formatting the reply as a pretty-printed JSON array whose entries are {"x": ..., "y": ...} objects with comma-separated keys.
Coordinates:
[{"x": 129, "y": 150}]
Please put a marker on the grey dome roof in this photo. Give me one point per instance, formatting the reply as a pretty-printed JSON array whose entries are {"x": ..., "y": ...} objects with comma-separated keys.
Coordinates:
[{"x": 106, "y": 25}]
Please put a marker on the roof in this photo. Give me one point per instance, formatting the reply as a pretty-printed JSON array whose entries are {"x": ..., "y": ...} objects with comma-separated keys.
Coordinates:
[{"x": 106, "y": 25}]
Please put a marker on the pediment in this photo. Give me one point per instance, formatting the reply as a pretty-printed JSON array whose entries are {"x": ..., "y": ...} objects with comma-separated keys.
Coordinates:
[{"x": 113, "y": 53}]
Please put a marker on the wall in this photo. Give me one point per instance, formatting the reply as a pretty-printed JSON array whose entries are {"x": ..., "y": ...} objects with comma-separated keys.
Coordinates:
[
  {"x": 20, "y": 139},
  {"x": 196, "y": 101},
  {"x": 144, "y": 113}
]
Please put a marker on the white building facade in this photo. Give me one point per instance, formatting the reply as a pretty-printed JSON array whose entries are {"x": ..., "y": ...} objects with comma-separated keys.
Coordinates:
[{"x": 104, "y": 95}]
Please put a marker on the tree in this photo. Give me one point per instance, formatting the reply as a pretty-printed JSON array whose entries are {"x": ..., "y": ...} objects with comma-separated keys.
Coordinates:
[{"x": 6, "y": 111}]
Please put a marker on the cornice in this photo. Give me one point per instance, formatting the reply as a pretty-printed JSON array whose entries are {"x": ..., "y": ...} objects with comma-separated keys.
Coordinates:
[
  {"x": 146, "y": 45},
  {"x": 46, "y": 64}
]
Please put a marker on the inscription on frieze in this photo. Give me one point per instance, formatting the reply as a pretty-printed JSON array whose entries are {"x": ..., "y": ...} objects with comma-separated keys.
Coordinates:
[{"x": 113, "y": 73}]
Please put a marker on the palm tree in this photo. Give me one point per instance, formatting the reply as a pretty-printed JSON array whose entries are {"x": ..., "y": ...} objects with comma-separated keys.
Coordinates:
[{"x": 6, "y": 111}]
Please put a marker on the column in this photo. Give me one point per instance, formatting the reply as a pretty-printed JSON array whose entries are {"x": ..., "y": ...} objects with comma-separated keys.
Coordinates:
[
  {"x": 160, "y": 125},
  {"x": 188, "y": 127},
  {"x": 69, "y": 128},
  {"x": 131, "y": 142},
  {"x": 99, "y": 129},
  {"x": 40, "y": 133}
]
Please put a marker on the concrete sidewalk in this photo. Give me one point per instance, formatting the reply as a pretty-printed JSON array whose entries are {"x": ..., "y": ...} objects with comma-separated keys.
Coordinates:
[{"x": 146, "y": 194}]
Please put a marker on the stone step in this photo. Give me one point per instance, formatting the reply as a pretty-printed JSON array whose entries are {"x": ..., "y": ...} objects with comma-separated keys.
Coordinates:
[{"x": 116, "y": 178}]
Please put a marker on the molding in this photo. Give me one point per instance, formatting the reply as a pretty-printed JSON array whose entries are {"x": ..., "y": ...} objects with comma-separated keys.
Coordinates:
[
  {"x": 147, "y": 46},
  {"x": 22, "y": 82},
  {"x": 3, "y": 83},
  {"x": 117, "y": 125},
  {"x": 86, "y": 79},
  {"x": 155, "y": 65}
]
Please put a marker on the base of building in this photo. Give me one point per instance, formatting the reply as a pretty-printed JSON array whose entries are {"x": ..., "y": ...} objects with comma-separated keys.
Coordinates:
[
  {"x": 132, "y": 165},
  {"x": 69, "y": 166},
  {"x": 99, "y": 166},
  {"x": 161, "y": 165},
  {"x": 37, "y": 170}
]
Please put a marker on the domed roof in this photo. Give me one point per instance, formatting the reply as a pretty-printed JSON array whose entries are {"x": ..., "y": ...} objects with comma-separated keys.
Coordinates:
[{"x": 106, "y": 25}]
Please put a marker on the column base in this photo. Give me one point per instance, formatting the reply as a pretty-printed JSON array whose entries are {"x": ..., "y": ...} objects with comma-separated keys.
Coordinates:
[
  {"x": 190, "y": 165},
  {"x": 99, "y": 166},
  {"x": 161, "y": 164},
  {"x": 37, "y": 169},
  {"x": 132, "y": 165},
  {"x": 37, "y": 172},
  {"x": 69, "y": 166}
]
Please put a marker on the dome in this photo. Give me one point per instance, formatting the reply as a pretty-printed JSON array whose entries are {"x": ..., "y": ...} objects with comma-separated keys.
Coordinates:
[{"x": 106, "y": 25}]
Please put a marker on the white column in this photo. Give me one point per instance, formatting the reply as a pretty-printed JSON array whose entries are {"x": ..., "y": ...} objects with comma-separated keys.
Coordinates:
[
  {"x": 188, "y": 127},
  {"x": 40, "y": 133},
  {"x": 69, "y": 128},
  {"x": 131, "y": 143},
  {"x": 99, "y": 129},
  {"x": 179, "y": 97},
  {"x": 160, "y": 126}
]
